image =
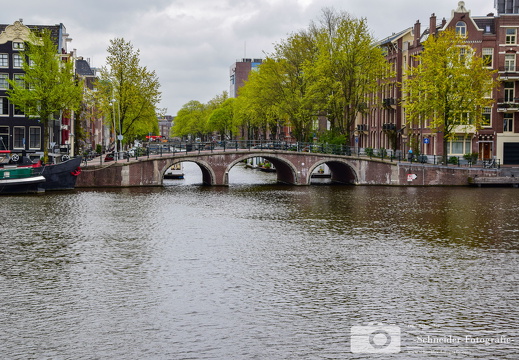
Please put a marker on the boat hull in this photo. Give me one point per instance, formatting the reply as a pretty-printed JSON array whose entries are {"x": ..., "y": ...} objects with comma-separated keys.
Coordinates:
[
  {"x": 28, "y": 185},
  {"x": 60, "y": 176}
]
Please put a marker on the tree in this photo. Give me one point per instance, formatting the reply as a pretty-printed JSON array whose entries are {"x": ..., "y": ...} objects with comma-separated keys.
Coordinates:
[
  {"x": 129, "y": 93},
  {"x": 449, "y": 88},
  {"x": 349, "y": 67},
  {"x": 190, "y": 120},
  {"x": 222, "y": 119},
  {"x": 47, "y": 86}
]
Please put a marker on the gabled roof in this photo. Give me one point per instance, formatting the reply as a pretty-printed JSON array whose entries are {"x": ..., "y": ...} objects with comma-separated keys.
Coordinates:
[
  {"x": 83, "y": 68},
  {"x": 394, "y": 37}
]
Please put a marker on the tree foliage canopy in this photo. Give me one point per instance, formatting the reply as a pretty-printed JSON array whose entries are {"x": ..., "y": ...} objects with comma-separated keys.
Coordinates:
[
  {"x": 129, "y": 93},
  {"x": 449, "y": 88},
  {"x": 47, "y": 86}
]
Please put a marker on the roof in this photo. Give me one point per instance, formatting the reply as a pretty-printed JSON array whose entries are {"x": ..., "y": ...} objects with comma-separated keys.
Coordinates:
[
  {"x": 83, "y": 68},
  {"x": 394, "y": 37}
]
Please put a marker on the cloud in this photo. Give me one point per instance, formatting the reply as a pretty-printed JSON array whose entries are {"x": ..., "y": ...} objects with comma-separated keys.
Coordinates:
[{"x": 191, "y": 44}]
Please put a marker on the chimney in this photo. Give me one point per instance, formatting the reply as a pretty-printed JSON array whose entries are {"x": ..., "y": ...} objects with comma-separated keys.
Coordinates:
[
  {"x": 444, "y": 22},
  {"x": 416, "y": 32},
  {"x": 432, "y": 25}
]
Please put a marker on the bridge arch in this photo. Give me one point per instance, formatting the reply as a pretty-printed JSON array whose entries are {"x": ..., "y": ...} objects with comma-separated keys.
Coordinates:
[
  {"x": 286, "y": 172},
  {"x": 341, "y": 171},
  {"x": 208, "y": 174}
]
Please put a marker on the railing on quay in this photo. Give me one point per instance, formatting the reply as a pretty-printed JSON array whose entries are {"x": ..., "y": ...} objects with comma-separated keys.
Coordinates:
[{"x": 173, "y": 148}]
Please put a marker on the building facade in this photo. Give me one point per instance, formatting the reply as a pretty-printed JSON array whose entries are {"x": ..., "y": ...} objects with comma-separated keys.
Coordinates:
[
  {"x": 19, "y": 133},
  {"x": 492, "y": 36}
]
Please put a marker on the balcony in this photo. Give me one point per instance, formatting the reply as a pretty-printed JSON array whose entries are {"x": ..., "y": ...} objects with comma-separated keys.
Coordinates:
[
  {"x": 389, "y": 103},
  {"x": 362, "y": 127},
  {"x": 508, "y": 72},
  {"x": 388, "y": 127},
  {"x": 508, "y": 105}
]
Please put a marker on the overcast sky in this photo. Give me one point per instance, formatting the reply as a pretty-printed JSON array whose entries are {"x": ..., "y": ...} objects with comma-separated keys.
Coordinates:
[{"x": 191, "y": 44}]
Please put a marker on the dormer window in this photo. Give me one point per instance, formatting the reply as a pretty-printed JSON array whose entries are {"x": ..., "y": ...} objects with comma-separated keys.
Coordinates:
[
  {"x": 17, "y": 45},
  {"x": 461, "y": 29}
]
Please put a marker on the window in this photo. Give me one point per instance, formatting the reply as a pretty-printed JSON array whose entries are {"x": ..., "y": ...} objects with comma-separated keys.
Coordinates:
[
  {"x": 509, "y": 91},
  {"x": 460, "y": 145},
  {"x": 19, "y": 137},
  {"x": 511, "y": 35},
  {"x": 4, "y": 137},
  {"x": 18, "y": 45},
  {"x": 17, "y": 60},
  {"x": 461, "y": 28},
  {"x": 488, "y": 56},
  {"x": 508, "y": 122},
  {"x": 4, "y": 106},
  {"x": 487, "y": 116},
  {"x": 18, "y": 78},
  {"x": 18, "y": 111},
  {"x": 35, "y": 137},
  {"x": 4, "y": 60},
  {"x": 4, "y": 85},
  {"x": 510, "y": 62}
]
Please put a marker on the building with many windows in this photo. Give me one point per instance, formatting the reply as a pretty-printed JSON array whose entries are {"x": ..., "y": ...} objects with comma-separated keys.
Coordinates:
[
  {"x": 17, "y": 131},
  {"x": 492, "y": 36}
]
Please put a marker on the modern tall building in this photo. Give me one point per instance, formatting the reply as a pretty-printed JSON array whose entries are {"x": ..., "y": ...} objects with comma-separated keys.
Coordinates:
[
  {"x": 239, "y": 73},
  {"x": 494, "y": 36}
]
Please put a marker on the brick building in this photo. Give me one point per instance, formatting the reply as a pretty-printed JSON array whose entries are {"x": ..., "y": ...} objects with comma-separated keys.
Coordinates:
[{"x": 492, "y": 36}]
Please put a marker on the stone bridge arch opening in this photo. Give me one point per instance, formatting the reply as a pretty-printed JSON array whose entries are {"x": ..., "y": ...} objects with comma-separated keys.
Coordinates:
[
  {"x": 208, "y": 175},
  {"x": 341, "y": 172},
  {"x": 286, "y": 172}
]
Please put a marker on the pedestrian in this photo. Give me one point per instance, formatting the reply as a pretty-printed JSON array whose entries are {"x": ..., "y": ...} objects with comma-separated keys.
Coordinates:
[{"x": 410, "y": 155}]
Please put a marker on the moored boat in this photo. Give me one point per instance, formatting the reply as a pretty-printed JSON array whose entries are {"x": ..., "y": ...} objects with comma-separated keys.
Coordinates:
[
  {"x": 19, "y": 180},
  {"x": 37, "y": 177},
  {"x": 176, "y": 171}
]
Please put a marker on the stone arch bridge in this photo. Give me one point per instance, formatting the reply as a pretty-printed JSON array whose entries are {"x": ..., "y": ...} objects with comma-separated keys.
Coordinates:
[{"x": 293, "y": 168}]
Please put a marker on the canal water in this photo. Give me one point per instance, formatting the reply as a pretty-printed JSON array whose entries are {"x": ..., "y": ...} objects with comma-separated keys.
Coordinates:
[{"x": 260, "y": 271}]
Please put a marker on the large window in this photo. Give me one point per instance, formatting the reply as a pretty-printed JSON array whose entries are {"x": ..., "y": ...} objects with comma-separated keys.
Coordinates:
[
  {"x": 4, "y": 60},
  {"x": 508, "y": 122},
  {"x": 35, "y": 137},
  {"x": 461, "y": 28},
  {"x": 4, "y": 106},
  {"x": 4, "y": 85},
  {"x": 460, "y": 145},
  {"x": 487, "y": 116},
  {"x": 4, "y": 137},
  {"x": 17, "y": 61},
  {"x": 18, "y": 78},
  {"x": 509, "y": 91},
  {"x": 511, "y": 36},
  {"x": 488, "y": 54},
  {"x": 510, "y": 62},
  {"x": 19, "y": 137}
]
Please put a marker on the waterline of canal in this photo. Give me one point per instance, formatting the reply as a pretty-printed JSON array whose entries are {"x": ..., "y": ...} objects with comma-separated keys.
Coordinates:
[{"x": 258, "y": 270}]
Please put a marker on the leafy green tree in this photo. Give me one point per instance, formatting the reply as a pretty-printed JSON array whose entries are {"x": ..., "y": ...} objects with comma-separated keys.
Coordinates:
[
  {"x": 222, "y": 119},
  {"x": 129, "y": 93},
  {"x": 449, "y": 88},
  {"x": 190, "y": 120},
  {"x": 349, "y": 67},
  {"x": 48, "y": 85}
]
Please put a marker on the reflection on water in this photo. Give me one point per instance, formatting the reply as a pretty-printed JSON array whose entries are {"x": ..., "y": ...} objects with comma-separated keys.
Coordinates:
[{"x": 258, "y": 271}]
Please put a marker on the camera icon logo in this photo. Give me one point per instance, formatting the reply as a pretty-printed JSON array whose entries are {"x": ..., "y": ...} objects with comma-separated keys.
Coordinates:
[{"x": 376, "y": 338}]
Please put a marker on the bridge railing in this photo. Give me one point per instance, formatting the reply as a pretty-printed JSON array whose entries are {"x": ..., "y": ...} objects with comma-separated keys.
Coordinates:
[{"x": 172, "y": 148}]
